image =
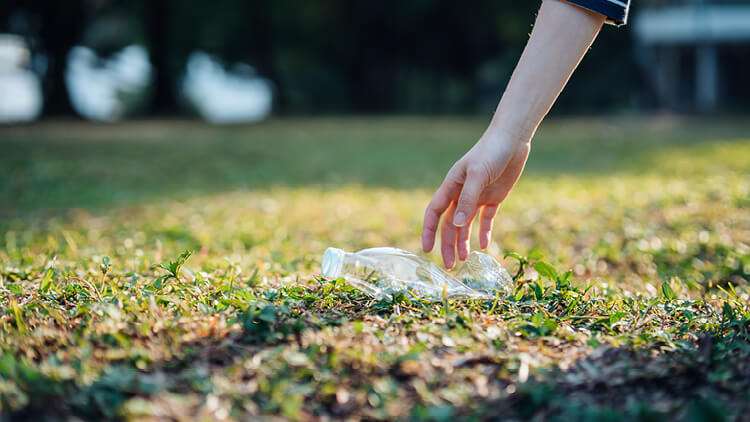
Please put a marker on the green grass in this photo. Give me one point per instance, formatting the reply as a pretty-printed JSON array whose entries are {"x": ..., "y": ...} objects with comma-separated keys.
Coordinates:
[{"x": 643, "y": 315}]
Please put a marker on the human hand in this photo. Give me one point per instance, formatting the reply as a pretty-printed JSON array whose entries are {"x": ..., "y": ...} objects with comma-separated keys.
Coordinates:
[
  {"x": 477, "y": 183},
  {"x": 482, "y": 178}
]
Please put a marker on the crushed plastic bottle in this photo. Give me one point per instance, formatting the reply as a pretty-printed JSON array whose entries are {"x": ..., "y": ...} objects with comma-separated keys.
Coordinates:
[{"x": 383, "y": 272}]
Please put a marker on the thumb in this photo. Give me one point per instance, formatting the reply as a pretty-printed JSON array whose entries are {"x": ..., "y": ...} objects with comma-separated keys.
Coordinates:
[{"x": 468, "y": 201}]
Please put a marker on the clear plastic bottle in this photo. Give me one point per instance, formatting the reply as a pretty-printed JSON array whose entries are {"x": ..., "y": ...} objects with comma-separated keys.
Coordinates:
[{"x": 381, "y": 272}]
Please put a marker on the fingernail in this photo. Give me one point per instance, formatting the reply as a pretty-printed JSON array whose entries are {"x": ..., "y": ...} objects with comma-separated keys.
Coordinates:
[{"x": 459, "y": 220}]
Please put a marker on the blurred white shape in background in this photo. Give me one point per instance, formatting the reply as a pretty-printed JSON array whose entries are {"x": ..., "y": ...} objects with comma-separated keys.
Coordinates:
[
  {"x": 107, "y": 89},
  {"x": 20, "y": 89},
  {"x": 221, "y": 96}
]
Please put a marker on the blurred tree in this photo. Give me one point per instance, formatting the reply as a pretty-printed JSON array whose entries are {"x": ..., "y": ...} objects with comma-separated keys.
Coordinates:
[
  {"x": 59, "y": 27},
  {"x": 157, "y": 18},
  {"x": 335, "y": 55}
]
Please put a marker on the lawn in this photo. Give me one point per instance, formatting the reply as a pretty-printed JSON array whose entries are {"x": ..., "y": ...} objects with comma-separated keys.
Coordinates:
[{"x": 168, "y": 269}]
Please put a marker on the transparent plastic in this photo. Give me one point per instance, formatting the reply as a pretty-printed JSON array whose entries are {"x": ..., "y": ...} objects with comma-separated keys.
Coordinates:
[{"x": 383, "y": 272}]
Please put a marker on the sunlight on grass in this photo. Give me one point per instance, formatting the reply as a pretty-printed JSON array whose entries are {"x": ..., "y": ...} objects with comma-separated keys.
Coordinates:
[{"x": 650, "y": 217}]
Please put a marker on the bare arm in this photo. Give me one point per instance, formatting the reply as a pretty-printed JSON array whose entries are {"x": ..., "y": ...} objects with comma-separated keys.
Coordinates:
[{"x": 484, "y": 176}]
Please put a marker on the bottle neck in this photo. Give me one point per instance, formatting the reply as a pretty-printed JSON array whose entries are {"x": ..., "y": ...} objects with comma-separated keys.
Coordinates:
[{"x": 333, "y": 262}]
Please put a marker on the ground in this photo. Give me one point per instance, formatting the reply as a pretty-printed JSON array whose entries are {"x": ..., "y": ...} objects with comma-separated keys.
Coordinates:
[{"x": 171, "y": 270}]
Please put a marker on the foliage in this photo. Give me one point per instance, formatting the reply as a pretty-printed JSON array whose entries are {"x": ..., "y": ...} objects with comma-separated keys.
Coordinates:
[
  {"x": 631, "y": 268},
  {"x": 341, "y": 56}
]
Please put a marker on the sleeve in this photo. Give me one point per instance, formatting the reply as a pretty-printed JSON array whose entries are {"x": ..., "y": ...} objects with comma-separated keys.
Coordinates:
[{"x": 616, "y": 11}]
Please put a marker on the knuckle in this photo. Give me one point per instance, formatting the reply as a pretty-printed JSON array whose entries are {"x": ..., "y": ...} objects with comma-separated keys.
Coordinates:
[
  {"x": 453, "y": 174},
  {"x": 480, "y": 172},
  {"x": 474, "y": 172},
  {"x": 432, "y": 211},
  {"x": 466, "y": 204}
]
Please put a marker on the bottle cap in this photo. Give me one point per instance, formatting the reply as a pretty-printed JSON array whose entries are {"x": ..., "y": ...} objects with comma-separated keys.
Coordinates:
[{"x": 333, "y": 261}]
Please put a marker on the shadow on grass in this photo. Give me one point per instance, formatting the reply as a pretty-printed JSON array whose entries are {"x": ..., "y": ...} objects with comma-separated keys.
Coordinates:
[
  {"x": 33, "y": 395},
  {"x": 708, "y": 380},
  {"x": 59, "y": 165}
]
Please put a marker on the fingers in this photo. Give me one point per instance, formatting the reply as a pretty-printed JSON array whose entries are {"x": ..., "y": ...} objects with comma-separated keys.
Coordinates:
[
  {"x": 462, "y": 245},
  {"x": 439, "y": 203},
  {"x": 435, "y": 209},
  {"x": 448, "y": 234},
  {"x": 467, "y": 202},
  {"x": 486, "y": 220}
]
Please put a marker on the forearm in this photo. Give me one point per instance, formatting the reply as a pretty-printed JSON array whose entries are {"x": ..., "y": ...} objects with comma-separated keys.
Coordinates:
[
  {"x": 479, "y": 181},
  {"x": 561, "y": 35}
]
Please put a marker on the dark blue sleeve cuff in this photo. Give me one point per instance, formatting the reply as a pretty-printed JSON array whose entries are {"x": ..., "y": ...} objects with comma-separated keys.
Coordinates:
[{"x": 616, "y": 11}]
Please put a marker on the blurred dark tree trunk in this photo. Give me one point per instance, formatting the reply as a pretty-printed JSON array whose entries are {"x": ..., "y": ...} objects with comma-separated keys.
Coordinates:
[
  {"x": 262, "y": 35},
  {"x": 164, "y": 98},
  {"x": 61, "y": 26}
]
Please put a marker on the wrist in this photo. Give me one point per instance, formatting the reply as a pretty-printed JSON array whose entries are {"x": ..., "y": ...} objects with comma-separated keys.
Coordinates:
[{"x": 498, "y": 133}]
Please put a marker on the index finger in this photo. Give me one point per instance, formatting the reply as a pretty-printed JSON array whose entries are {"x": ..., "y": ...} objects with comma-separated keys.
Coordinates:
[{"x": 439, "y": 203}]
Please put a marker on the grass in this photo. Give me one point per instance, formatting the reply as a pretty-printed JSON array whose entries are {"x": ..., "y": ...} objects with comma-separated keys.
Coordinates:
[{"x": 642, "y": 312}]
